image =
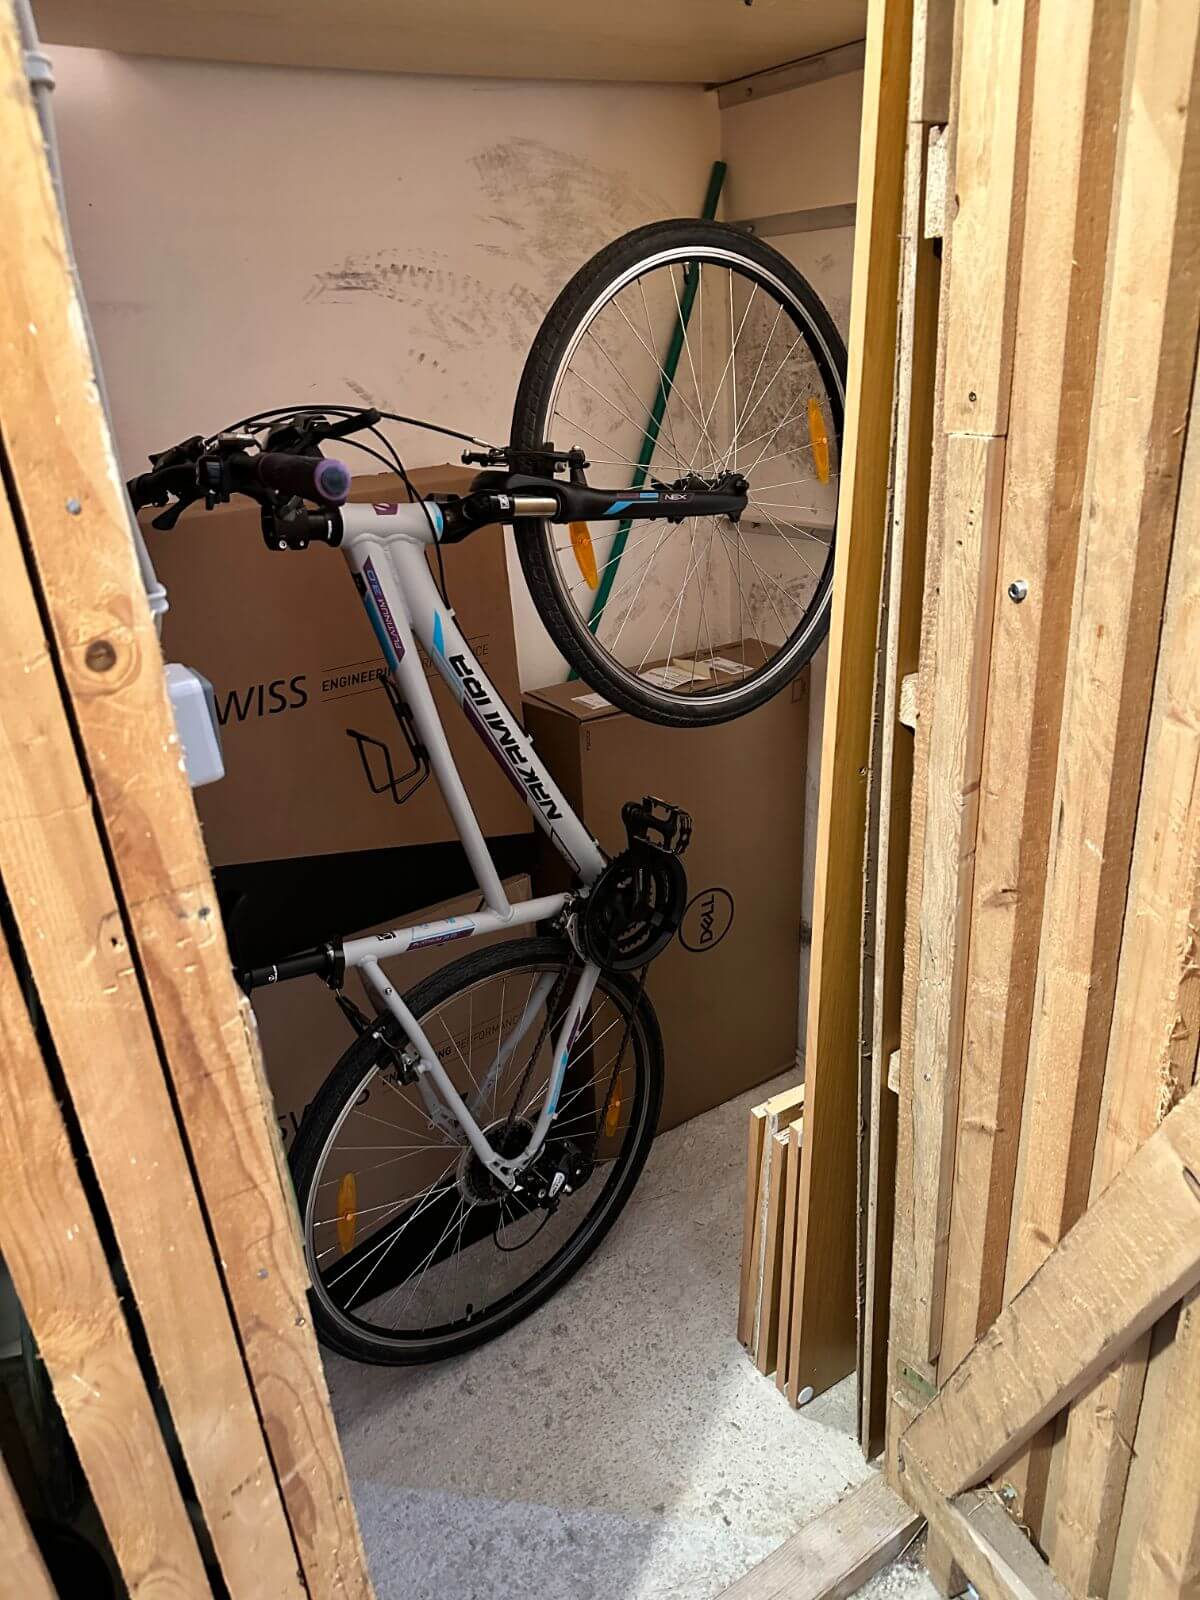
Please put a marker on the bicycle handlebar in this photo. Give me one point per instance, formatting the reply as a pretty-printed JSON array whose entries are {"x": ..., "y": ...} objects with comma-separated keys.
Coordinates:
[{"x": 318, "y": 478}]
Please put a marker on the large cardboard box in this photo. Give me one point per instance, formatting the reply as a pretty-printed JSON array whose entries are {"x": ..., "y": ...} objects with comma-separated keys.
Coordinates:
[
  {"x": 308, "y": 728},
  {"x": 302, "y": 1030},
  {"x": 727, "y": 989}
]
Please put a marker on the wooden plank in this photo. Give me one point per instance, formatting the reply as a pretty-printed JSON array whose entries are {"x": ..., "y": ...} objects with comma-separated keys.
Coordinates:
[
  {"x": 24, "y": 1568},
  {"x": 987, "y": 1547},
  {"x": 823, "y": 1333},
  {"x": 989, "y": 176},
  {"x": 766, "y": 1348},
  {"x": 1140, "y": 408},
  {"x": 791, "y": 1186},
  {"x": 973, "y": 484},
  {"x": 50, "y": 1245},
  {"x": 1076, "y": 93},
  {"x": 1166, "y": 1564},
  {"x": 1148, "y": 1425},
  {"x": 945, "y": 1574},
  {"x": 1131, "y": 1255},
  {"x": 1155, "y": 1030},
  {"x": 747, "y": 1293},
  {"x": 916, "y": 361},
  {"x": 60, "y": 456},
  {"x": 837, "y": 1552},
  {"x": 779, "y": 1112},
  {"x": 911, "y": 1376},
  {"x": 78, "y": 952},
  {"x": 994, "y": 75}
]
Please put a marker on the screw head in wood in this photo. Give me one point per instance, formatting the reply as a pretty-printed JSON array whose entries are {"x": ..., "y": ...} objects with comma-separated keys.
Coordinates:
[
  {"x": 73, "y": 507},
  {"x": 1017, "y": 590},
  {"x": 100, "y": 656}
]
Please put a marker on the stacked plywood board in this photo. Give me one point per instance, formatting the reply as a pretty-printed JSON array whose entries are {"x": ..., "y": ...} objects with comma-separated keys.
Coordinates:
[
  {"x": 1045, "y": 1326},
  {"x": 774, "y": 1146}
]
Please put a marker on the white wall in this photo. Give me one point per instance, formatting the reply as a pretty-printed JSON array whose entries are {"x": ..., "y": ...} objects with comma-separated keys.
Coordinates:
[
  {"x": 798, "y": 151},
  {"x": 253, "y": 236}
]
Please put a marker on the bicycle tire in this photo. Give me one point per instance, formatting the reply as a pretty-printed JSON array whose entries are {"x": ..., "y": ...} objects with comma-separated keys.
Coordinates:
[
  {"x": 531, "y": 421},
  {"x": 341, "y": 1331}
]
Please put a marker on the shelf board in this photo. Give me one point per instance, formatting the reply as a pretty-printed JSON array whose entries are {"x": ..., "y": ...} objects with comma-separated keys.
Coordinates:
[{"x": 671, "y": 41}]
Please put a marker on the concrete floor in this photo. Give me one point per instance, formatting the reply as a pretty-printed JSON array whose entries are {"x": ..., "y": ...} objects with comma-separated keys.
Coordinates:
[{"x": 618, "y": 1443}]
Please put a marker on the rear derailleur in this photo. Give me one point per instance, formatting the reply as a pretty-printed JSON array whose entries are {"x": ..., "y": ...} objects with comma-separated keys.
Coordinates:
[{"x": 552, "y": 1175}]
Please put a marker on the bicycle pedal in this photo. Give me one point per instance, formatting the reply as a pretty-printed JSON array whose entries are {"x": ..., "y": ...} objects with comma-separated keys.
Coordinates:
[{"x": 657, "y": 825}]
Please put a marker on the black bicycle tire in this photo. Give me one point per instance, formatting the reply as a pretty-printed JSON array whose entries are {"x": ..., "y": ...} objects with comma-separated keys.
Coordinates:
[
  {"x": 343, "y": 1082},
  {"x": 534, "y": 543}
]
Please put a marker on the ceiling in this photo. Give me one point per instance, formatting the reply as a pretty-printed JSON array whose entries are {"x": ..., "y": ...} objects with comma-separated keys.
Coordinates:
[{"x": 653, "y": 41}]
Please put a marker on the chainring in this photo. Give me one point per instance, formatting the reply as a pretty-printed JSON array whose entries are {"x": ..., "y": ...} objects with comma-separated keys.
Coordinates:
[{"x": 634, "y": 909}]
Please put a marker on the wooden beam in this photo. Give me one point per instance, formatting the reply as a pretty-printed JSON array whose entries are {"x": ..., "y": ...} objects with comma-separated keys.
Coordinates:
[
  {"x": 990, "y": 141},
  {"x": 24, "y": 1568},
  {"x": 1166, "y": 1562},
  {"x": 982, "y": 1541},
  {"x": 78, "y": 950},
  {"x": 158, "y": 926},
  {"x": 1131, "y": 1255},
  {"x": 912, "y": 1376},
  {"x": 822, "y": 1332},
  {"x": 50, "y": 1244},
  {"x": 795, "y": 1156},
  {"x": 1075, "y": 104},
  {"x": 1142, "y": 391},
  {"x": 748, "y": 1289},
  {"x": 989, "y": 178},
  {"x": 973, "y": 486},
  {"x": 1155, "y": 1030},
  {"x": 837, "y": 1552},
  {"x": 919, "y": 291}
]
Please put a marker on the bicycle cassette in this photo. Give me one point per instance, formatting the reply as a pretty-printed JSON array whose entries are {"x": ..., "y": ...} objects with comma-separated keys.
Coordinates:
[{"x": 638, "y": 901}]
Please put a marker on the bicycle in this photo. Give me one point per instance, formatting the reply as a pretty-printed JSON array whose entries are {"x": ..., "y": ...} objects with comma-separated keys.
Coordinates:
[{"x": 462, "y": 1114}]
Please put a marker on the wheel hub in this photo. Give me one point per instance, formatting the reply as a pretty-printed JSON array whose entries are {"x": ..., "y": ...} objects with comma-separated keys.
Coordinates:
[{"x": 476, "y": 1184}]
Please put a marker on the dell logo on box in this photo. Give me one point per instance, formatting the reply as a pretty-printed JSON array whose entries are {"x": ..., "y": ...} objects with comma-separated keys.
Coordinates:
[{"x": 707, "y": 920}]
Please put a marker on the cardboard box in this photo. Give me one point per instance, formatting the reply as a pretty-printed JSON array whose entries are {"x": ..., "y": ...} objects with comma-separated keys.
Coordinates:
[
  {"x": 297, "y": 672},
  {"x": 727, "y": 989},
  {"x": 304, "y": 1033}
]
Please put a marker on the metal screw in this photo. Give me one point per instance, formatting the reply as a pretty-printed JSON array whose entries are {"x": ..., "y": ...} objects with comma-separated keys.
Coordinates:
[
  {"x": 972, "y": 396},
  {"x": 100, "y": 655},
  {"x": 74, "y": 507},
  {"x": 1017, "y": 590},
  {"x": 1008, "y": 1494}
]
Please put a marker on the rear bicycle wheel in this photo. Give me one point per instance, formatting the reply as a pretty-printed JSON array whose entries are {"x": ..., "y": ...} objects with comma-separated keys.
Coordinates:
[
  {"x": 413, "y": 1252},
  {"x": 688, "y": 348}
]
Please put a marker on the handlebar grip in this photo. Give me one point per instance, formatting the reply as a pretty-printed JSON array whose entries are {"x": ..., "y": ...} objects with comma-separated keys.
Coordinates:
[{"x": 311, "y": 477}]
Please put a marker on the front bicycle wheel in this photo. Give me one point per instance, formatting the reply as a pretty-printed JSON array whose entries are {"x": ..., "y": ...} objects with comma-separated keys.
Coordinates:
[
  {"x": 683, "y": 350},
  {"x": 414, "y": 1252}
]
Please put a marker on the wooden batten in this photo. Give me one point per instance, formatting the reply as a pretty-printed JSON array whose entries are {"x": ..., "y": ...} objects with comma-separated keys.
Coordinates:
[
  {"x": 154, "y": 1041},
  {"x": 822, "y": 1332},
  {"x": 1047, "y": 1214}
]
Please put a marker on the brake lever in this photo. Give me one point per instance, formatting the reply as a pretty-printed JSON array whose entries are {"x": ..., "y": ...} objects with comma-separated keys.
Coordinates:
[{"x": 167, "y": 519}]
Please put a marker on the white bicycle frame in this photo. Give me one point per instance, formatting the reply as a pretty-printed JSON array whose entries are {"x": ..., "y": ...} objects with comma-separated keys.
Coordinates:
[{"x": 385, "y": 546}]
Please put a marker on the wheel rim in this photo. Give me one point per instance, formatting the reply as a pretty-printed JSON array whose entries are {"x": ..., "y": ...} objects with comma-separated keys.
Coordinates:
[
  {"x": 758, "y": 389},
  {"x": 422, "y": 1257}
]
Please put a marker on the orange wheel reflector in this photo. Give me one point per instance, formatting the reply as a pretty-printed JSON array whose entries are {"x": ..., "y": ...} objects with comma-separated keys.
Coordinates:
[
  {"x": 585, "y": 556},
  {"x": 818, "y": 438},
  {"x": 613, "y": 1115},
  {"x": 347, "y": 1212}
]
